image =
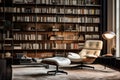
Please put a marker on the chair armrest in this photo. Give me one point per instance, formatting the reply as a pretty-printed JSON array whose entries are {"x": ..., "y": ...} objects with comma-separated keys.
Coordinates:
[
  {"x": 91, "y": 56},
  {"x": 72, "y": 55}
]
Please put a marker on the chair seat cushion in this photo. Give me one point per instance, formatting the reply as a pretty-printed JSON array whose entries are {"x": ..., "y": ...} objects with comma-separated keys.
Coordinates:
[{"x": 60, "y": 61}]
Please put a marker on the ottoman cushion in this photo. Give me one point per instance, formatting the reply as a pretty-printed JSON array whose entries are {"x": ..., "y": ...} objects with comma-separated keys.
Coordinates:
[{"x": 60, "y": 61}]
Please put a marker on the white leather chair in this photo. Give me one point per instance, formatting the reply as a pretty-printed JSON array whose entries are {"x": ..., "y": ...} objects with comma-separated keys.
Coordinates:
[{"x": 88, "y": 54}]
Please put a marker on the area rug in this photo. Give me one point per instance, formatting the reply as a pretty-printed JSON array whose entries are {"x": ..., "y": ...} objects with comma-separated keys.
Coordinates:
[{"x": 25, "y": 72}]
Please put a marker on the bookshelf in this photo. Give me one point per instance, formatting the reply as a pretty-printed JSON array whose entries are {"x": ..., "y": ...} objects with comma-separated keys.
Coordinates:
[{"x": 43, "y": 28}]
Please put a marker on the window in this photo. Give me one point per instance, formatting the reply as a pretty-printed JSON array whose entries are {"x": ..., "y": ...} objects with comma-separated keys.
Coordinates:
[{"x": 117, "y": 28}]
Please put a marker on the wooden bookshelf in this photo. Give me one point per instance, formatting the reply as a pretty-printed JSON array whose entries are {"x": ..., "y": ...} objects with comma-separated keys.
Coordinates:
[{"x": 52, "y": 26}]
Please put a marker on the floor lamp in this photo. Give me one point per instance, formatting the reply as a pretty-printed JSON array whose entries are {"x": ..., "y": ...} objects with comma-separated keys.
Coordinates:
[{"x": 108, "y": 36}]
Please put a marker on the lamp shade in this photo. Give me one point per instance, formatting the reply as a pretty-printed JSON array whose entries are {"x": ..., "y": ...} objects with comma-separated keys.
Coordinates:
[{"x": 108, "y": 35}]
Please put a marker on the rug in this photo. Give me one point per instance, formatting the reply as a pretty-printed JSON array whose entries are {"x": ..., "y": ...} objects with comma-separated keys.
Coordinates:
[{"x": 25, "y": 72}]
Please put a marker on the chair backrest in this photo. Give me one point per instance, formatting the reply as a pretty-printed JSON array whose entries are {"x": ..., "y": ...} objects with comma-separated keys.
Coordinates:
[
  {"x": 91, "y": 47},
  {"x": 93, "y": 44}
]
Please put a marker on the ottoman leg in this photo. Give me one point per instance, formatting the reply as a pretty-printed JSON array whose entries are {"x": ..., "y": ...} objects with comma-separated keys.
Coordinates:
[{"x": 56, "y": 71}]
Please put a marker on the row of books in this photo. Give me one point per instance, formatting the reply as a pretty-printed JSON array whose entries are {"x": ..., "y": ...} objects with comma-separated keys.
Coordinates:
[
  {"x": 87, "y": 28},
  {"x": 72, "y": 36},
  {"x": 43, "y": 54},
  {"x": 59, "y": 2},
  {"x": 7, "y": 46},
  {"x": 60, "y": 27},
  {"x": 25, "y": 1},
  {"x": 92, "y": 29},
  {"x": 49, "y": 46},
  {"x": 76, "y": 28},
  {"x": 65, "y": 19},
  {"x": 46, "y": 37},
  {"x": 93, "y": 36},
  {"x": 18, "y": 36},
  {"x": 37, "y": 55},
  {"x": 47, "y": 10}
]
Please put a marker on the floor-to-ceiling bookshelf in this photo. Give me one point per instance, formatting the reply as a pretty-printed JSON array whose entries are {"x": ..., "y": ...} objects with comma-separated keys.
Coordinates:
[{"x": 46, "y": 28}]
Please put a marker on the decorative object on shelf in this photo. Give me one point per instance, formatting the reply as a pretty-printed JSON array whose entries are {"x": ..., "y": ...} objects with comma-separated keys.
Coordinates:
[
  {"x": 53, "y": 37},
  {"x": 7, "y": 54},
  {"x": 54, "y": 28},
  {"x": 108, "y": 36}
]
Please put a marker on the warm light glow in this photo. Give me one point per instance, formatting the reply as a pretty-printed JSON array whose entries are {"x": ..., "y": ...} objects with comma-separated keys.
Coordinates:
[{"x": 108, "y": 35}]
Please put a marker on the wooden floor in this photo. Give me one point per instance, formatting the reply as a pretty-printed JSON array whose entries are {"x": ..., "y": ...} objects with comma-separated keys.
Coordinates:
[{"x": 31, "y": 72}]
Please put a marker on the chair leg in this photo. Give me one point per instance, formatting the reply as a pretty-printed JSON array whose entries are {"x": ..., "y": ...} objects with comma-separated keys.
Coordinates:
[
  {"x": 87, "y": 66},
  {"x": 82, "y": 65},
  {"x": 56, "y": 71}
]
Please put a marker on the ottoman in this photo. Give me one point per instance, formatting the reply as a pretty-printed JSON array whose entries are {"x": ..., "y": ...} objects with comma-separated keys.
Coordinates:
[{"x": 57, "y": 61}]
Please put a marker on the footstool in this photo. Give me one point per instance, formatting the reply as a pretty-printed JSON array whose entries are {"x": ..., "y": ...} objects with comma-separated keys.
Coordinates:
[{"x": 57, "y": 61}]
